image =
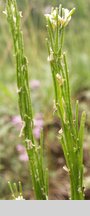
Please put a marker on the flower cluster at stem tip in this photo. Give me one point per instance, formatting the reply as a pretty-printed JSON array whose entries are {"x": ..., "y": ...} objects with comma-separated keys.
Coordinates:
[{"x": 62, "y": 17}]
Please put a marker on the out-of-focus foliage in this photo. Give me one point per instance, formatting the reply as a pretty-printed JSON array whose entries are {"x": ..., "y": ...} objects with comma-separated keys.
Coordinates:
[{"x": 78, "y": 46}]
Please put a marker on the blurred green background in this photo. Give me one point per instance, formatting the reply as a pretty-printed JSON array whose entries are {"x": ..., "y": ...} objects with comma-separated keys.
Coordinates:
[{"x": 77, "y": 44}]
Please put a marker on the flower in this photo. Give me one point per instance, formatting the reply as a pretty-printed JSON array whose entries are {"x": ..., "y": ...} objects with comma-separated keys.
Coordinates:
[
  {"x": 16, "y": 120},
  {"x": 38, "y": 120},
  {"x": 22, "y": 151},
  {"x": 20, "y": 148},
  {"x": 23, "y": 157},
  {"x": 52, "y": 17},
  {"x": 38, "y": 125},
  {"x": 63, "y": 20},
  {"x": 36, "y": 132},
  {"x": 34, "y": 84}
]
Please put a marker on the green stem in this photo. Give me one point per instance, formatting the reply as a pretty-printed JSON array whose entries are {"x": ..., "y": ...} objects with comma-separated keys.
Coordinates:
[
  {"x": 38, "y": 172},
  {"x": 72, "y": 138}
]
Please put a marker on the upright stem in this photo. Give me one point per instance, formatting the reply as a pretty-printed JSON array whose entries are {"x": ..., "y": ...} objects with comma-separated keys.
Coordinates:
[
  {"x": 71, "y": 135},
  {"x": 38, "y": 172}
]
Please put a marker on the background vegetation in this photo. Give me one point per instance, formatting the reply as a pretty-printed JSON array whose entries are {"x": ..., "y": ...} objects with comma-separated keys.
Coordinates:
[{"x": 78, "y": 51}]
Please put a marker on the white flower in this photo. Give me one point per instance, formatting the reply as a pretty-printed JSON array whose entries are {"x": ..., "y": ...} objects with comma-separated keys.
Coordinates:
[
  {"x": 62, "y": 20},
  {"x": 19, "y": 198},
  {"x": 66, "y": 17},
  {"x": 54, "y": 13},
  {"x": 48, "y": 16},
  {"x": 53, "y": 17},
  {"x": 65, "y": 13}
]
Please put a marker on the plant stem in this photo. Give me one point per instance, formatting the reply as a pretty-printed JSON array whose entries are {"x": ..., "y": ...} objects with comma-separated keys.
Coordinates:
[
  {"x": 71, "y": 136},
  {"x": 38, "y": 172}
]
